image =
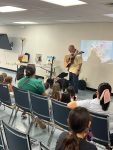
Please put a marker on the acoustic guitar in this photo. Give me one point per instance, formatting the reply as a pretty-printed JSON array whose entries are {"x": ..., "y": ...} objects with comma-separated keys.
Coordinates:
[{"x": 69, "y": 59}]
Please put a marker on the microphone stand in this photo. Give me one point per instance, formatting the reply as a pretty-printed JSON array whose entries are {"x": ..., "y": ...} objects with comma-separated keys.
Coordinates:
[{"x": 51, "y": 68}]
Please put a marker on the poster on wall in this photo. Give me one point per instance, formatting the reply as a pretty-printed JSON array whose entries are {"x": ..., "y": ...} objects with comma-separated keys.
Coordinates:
[
  {"x": 102, "y": 49},
  {"x": 50, "y": 59},
  {"x": 38, "y": 58}
]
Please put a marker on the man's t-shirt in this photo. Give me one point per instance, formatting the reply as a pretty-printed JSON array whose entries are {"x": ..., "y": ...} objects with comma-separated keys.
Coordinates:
[
  {"x": 31, "y": 84},
  {"x": 75, "y": 66},
  {"x": 84, "y": 145}
]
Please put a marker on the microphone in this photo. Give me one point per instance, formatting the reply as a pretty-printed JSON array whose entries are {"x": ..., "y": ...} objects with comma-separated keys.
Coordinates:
[{"x": 81, "y": 52}]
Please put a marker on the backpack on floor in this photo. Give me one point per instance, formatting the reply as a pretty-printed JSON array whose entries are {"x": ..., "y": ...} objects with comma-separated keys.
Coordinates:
[{"x": 82, "y": 84}]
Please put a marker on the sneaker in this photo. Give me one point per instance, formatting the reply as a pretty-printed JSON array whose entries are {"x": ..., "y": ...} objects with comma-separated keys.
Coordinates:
[
  {"x": 24, "y": 115},
  {"x": 40, "y": 123}
]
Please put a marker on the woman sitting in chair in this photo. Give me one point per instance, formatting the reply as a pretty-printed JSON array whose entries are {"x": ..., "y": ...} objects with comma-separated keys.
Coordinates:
[
  {"x": 101, "y": 104},
  {"x": 30, "y": 83},
  {"x": 8, "y": 80},
  {"x": 69, "y": 95},
  {"x": 56, "y": 91},
  {"x": 79, "y": 121}
]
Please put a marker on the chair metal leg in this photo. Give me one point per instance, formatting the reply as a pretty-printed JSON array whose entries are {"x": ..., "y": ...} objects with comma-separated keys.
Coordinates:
[
  {"x": 28, "y": 118},
  {"x": 51, "y": 136},
  {"x": 29, "y": 129},
  {"x": 31, "y": 123},
  {"x": 48, "y": 126},
  {"x": 2, "y": 138},
  {"x": 4, "y": 107},
  {"x": 15, "y": 115},
  {"x": 11, "y": 115}
]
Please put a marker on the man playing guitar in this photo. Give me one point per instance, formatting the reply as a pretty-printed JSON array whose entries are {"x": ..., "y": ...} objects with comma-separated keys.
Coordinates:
[{"x": 73, "y": 62}]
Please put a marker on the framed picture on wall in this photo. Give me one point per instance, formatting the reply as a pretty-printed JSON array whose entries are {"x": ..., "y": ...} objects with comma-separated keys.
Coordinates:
[
  {"x": 50, "y": 59},
  {"x": 24, "y": 58},
  {"x": 38, "y": 58}
]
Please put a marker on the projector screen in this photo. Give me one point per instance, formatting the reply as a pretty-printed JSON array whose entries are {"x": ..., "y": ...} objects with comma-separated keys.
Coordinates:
[
  {"x": 4, "y": 42},
  {"x": 102, "y": 50}
]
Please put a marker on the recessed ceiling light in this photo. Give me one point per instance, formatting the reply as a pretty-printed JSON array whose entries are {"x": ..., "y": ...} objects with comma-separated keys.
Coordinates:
[
  {"x": 25, "y": 22},
  {"x": 68, "y": 20},
  {"x": 10, "y": 9},
  {"x": 109, "y": 15},
  {"x": 65, "y": 2}
]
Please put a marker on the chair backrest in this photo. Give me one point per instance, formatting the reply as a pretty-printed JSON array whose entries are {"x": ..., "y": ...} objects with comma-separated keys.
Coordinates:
[
  {"x": 22, "y": 99},
  {"x": 59, "y": 102},
  {"x": 43, "y": 147},
  {"x": 4, "y": 94},
  {"x": 15, "y": 139},
  {"x": 40, "y": 106},
  {"x": 100, "y": 128},
  {"x": 60, "y": 114},
  {"x": 41, "y": 96},
  {"x": 2, "y": 144}
]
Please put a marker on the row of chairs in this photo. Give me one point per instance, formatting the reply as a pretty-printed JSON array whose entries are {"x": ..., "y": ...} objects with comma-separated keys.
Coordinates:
[
  {"x": 5, "y": 99},
  {"x": 37, "y": 105},
  {"x": 11, "y": 139}
]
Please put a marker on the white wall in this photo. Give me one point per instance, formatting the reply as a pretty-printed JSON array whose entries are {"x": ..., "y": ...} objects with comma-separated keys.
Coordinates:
[{"x": 54, "y": 40}]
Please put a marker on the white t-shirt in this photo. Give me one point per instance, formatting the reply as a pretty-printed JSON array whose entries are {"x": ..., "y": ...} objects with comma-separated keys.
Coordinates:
[{"x": 94, "y": 106}]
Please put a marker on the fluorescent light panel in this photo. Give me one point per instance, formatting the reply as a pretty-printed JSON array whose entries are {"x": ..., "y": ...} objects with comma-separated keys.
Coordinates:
[
  {"x": 25, "y": 22},
  {"x": 65, "y": 2},
  {"x": 109, "y": 15},
  {"x": 10, "y": 9},
  {"x": 68, "y": 20}
]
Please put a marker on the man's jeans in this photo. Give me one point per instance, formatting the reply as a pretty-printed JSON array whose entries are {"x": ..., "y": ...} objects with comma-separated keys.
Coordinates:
[{"x": 73, "y": 79}]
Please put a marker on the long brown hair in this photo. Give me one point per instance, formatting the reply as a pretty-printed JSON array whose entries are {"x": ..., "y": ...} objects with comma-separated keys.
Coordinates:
[
  {"x": 78, "y": 122},
  {"x": 56, "y": 91}
]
